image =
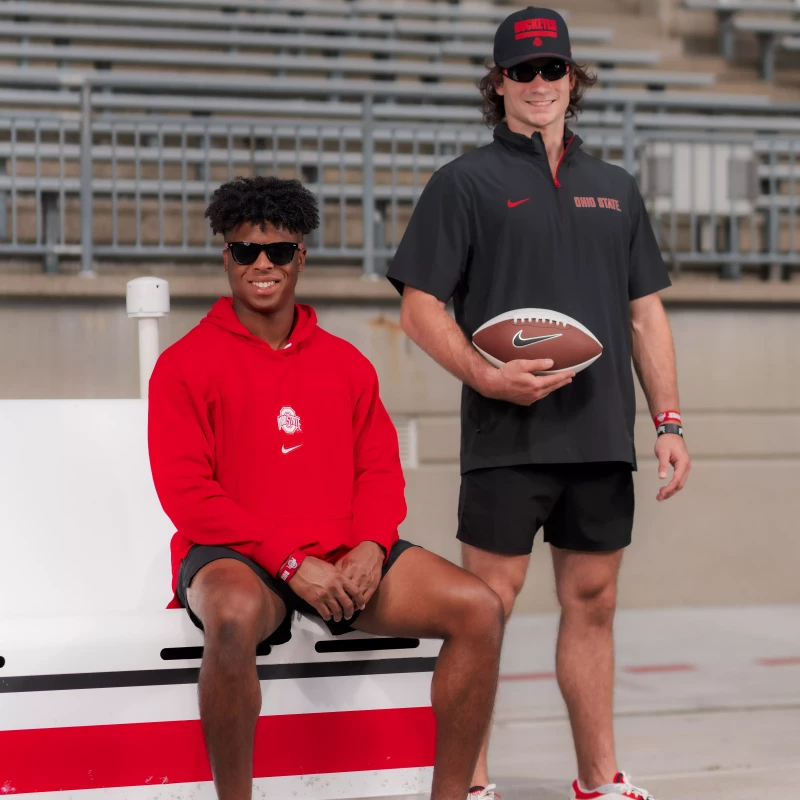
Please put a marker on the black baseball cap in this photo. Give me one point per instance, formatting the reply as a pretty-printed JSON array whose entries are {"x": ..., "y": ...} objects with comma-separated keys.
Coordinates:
[{"x": 531, "y": 33}]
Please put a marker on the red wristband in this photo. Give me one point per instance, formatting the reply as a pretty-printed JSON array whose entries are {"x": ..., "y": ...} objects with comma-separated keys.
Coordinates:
[
  {"x": 291, "y": 565},
  {"x": 668, "y": 416}
]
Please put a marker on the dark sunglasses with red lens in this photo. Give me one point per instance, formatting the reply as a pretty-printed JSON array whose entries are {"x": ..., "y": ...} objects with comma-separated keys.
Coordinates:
[
  {"x": 526, "y": 72},
  {"x": 279, "y": 253}
]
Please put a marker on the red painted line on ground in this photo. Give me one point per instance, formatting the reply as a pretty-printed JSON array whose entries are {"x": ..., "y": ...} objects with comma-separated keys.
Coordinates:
[
  {"x": 652, "y": 668},
  {"x": 778, "y": 662},
  {"x": 529, "y": 676},
  {"x": 638, "y": 670},
  {"x": 140, "y": 754}
]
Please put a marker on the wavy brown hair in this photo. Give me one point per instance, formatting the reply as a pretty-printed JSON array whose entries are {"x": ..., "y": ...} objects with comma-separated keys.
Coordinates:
[{"x": 493, "y": 106}]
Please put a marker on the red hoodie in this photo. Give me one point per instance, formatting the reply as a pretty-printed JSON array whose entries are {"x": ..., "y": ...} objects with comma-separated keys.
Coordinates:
[{"x": 266, "y": 451}]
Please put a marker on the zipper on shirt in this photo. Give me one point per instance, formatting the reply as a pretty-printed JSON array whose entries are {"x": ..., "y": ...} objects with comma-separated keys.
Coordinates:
[{"x": 556, "y": 181}]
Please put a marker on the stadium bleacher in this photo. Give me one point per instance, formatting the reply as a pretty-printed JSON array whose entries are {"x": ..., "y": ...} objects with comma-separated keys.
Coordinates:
[
  {"x": 727, "y": 10},
  {"x": 770, "y": 33},
  {"x": 331, "y": 46},
  {"x": 347, "y": 8},
  {"x": 388, "y": 69},
  {"x": 179, "y": 19},
  {"x": 159, "y": 99}
]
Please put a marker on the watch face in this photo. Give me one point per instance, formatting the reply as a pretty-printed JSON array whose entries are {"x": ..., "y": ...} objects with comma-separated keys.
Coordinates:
[{"x": 292, "y": 563}]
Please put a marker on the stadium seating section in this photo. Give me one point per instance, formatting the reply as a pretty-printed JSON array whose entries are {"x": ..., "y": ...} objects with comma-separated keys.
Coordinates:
[{"x": 120, "y": 117}]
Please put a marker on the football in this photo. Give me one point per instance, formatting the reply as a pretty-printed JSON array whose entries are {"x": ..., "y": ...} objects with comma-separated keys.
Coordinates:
[{"x": 533, "y": 333}]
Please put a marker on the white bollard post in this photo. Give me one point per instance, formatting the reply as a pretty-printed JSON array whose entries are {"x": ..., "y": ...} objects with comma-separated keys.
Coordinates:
[{"x": 147, "y": 300}]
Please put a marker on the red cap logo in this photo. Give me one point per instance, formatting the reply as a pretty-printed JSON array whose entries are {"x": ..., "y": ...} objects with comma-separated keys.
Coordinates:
[
  {"x": 530, "y": 28},
  {"x": 537, "y": 42}
]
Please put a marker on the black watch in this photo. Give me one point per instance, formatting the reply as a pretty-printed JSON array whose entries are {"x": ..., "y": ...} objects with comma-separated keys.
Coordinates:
[{"x": 669, "y": 427}]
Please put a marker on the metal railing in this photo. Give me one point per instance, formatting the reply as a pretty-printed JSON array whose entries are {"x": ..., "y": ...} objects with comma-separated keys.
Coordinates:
[{"x": 118, "y": 187}]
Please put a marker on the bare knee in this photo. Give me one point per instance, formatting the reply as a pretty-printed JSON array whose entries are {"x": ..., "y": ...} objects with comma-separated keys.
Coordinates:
[
  {"x": 508, "y": 589},
  {"x": 594, "y": 603},
  {"x": 477, "y": 613},
  {"x": 504, "y": 574},
  {"x": 236, "y": 609},
  {"x": 235, "y": 620}
]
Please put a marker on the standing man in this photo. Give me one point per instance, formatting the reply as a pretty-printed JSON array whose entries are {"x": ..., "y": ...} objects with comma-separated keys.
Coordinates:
[{"x": 532, "y": 221}]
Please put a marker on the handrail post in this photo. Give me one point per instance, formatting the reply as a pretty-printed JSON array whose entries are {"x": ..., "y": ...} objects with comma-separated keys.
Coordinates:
[
  {"x": 629, "y": 139},
  {"x": 87, "y": 232},
  {"x": 368, "y": 185}
]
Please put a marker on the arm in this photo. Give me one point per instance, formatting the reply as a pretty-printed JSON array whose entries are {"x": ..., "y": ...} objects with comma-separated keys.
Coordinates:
[
  {"x": 654, "y": 361},
  {"x": 654, "y": 353},
  {"x": 426, "y": 321},
  {"x": 181, "y": 444},
  {"x": 379, "y": 504}
]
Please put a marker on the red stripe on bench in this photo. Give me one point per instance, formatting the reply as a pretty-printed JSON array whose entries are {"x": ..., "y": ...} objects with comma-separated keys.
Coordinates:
[{"x": 106, "y": 756}]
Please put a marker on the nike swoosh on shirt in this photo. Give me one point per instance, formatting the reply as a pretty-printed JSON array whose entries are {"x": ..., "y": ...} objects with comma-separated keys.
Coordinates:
[
  {"x": 518, "y": 341},
  {"x": 284, "y": 450},
  {"x": 512, "y": 204}
]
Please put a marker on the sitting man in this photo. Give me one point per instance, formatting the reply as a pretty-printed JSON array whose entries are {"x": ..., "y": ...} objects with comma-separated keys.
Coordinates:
[{"x": 276, "y": 460}]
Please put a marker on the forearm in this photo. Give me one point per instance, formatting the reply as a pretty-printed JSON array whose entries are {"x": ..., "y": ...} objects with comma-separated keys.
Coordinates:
[
  {"x": 654, "y": 355},
  {"x": 427, "y": 323}
]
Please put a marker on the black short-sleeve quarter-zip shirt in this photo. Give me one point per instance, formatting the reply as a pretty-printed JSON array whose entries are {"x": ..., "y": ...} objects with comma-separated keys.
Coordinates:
[{"x": 495, "y": 230}]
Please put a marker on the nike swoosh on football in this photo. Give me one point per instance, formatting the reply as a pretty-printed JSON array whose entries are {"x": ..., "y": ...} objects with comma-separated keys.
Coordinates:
[
  {"x": 518, "y": 341},
  {"x": 284, "y": 450},
  {"x": 512, "y": 204}
]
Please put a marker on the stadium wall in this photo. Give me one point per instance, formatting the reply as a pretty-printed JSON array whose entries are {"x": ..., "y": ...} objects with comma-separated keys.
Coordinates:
[{"x": 728, "y": 539}]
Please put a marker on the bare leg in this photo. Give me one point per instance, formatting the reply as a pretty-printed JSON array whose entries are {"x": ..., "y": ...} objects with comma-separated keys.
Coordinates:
[
  {"x": 237, "y": 611},
  {"x": 586, "y": 584},
  {"x": 425, "y": 596},
  {"x": 506, "y": 576}
]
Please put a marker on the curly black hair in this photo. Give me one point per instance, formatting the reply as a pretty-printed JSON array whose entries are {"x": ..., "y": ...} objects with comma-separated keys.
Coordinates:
[{"x": 285, "y": 203}]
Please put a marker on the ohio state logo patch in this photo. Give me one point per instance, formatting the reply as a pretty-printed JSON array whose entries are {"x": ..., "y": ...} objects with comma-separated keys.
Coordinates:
[{"x": 288, "y": 421}]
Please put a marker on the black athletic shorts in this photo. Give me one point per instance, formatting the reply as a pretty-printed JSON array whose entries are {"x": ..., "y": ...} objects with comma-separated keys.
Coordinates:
[
  {"x": 587, "y": 507},
  {"x": 200, "y": 555}
]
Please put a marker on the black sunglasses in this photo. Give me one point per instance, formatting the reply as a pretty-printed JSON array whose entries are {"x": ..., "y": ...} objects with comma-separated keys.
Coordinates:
[
  {"x": 527, "y": 72},
  {"x": 279, "y": 253}
]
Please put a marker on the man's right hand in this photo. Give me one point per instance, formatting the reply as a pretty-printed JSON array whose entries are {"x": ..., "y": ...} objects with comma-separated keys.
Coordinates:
[
  {"x": 515, "y": 383},
  {"x": 326, "y": 588}
]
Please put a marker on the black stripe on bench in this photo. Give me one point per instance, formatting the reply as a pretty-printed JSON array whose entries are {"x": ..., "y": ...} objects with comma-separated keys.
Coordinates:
[
  {"x": 181, "y": 653},
  {"x": 360, "y": 645},
  {"x": 334, "y": 646},
  {"x": 165, "y": 677}
]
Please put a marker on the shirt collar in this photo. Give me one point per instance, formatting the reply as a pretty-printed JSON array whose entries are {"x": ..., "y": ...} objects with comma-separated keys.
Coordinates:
[{"x": 533, "y": 145}]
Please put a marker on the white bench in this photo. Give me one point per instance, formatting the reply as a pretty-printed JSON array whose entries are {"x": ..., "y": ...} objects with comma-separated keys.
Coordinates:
[{"x": 97, "y": 678}]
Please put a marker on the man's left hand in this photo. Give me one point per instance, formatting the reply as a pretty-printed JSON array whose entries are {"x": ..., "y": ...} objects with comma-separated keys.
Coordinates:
[
  {"x": 671, "y": 449},
  {"x": 363, "y": 565}
]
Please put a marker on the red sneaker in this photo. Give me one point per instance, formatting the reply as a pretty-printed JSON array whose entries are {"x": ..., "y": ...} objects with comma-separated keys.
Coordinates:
[
  {"x": 483, "y": 793},
  {"x": 621, "y": 787}
]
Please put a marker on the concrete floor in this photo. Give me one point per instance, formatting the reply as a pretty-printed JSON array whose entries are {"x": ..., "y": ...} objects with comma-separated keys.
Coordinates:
[{"x": 708, "y": 706}]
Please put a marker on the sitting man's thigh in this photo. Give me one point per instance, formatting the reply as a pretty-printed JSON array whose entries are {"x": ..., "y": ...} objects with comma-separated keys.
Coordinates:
[
  {"x": 227, "y": 594},
  {"x": 426, "y": 596}
]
